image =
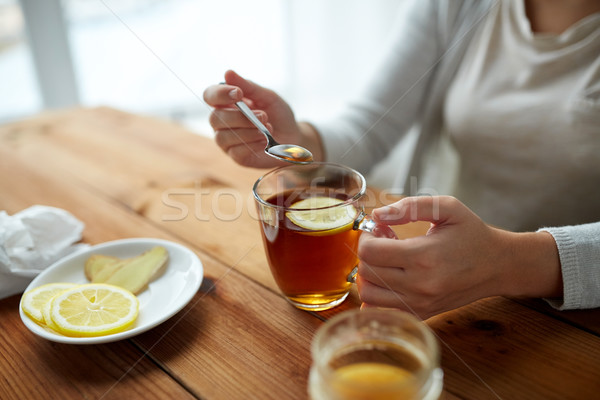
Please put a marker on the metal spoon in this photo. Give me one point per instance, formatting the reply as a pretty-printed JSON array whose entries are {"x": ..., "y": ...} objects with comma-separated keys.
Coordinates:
[{"x": 287, "y": 152}]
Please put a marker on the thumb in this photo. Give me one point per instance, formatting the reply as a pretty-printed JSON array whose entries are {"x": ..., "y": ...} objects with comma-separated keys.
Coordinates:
[
  {"x": 434, "y": 209},
  {"x": 251, "y": 90}
]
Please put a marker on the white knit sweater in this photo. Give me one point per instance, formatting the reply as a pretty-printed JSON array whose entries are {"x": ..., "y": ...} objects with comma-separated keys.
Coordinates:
[{"x": 521, "y": 111}]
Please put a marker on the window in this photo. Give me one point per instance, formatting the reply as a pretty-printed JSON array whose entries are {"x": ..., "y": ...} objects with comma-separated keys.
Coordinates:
[
  {"x": 157, "y": 56},
  {"x": 19, "y": 95}
]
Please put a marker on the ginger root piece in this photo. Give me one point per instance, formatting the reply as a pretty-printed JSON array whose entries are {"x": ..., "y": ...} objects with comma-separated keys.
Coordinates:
[
  {"x": 96, "y": 263},
  {"x": 135, "y": 273},
  {"x": 107, "y": 270}
]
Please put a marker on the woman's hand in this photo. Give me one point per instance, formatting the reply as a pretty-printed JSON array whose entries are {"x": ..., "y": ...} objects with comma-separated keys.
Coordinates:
[
  {"x": 458, "y": 261},
  {"x": 239, "y": 138}
]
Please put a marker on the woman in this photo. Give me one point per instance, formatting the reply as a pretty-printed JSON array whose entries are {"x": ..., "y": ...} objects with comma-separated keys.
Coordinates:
[{"x": 514, "y": 86}]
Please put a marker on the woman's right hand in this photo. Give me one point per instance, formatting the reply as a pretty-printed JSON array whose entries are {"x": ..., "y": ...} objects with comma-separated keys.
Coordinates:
[{"x": 236, "y": 135}]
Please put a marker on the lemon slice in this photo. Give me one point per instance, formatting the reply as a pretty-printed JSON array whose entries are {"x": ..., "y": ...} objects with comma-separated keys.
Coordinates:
[
  {"x": 46, "y": 308},
  {"x": 33, "y": 300},
  {"x": 94, "y": 309},
  {"x": 319, "y": 215}
]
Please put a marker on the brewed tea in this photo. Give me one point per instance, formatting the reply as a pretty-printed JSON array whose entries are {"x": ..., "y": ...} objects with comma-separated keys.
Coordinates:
[{"x": 311, "y": 266}]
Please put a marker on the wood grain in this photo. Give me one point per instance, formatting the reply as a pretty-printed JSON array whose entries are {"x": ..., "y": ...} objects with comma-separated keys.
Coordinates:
[
  {"x": 34, "y": 368},
  {"x": 237, "y": 317},
  {"x": 177, "y": 180},
  {"x": 588, "y": 320},
  {"x": 130, "y": 176},
  {"x": 181, "y": 182},
  {"x": 234, "y": 341},
  {"x": 495, "y": 345}
]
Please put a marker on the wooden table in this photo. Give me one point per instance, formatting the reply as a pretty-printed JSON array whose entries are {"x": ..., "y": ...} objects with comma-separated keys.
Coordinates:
[{"x": 131, "y": 176}]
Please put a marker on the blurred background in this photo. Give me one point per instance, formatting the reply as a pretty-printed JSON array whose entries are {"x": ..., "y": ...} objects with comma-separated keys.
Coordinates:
[{"x": 155, "y": 57}]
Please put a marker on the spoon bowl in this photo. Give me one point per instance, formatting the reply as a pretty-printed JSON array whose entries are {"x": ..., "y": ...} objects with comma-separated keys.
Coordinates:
[
  {"x": 286, "y": 152},
  {"x": 290, "y": 153}
]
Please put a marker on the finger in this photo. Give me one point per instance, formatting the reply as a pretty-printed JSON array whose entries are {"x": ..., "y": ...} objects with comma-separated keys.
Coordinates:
[
  {"x": 228, "y": 138},
  {"x": 232, "y": 118},
  {"x": 222, "y": 95},
  {"x": 387, "y": 253},
  {"x": 251, "y": 90},
  {"x": 374, "y": 296},
  {"x": 385, "y": 277},
  {"x": 380, "y": 297},
  {"x": 367, "y": 305},
  {"x": 435, "y": 209},
  {"x": 248, "y": 87}
]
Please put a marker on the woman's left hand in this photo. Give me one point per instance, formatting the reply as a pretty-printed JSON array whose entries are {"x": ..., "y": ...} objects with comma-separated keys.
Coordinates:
[{"x": 460, "y": 259}]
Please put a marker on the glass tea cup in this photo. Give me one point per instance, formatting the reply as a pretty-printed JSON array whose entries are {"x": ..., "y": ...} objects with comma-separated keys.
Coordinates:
[
  {"x": 311, "y": 217},
  {"x": 375, "y": 354}
]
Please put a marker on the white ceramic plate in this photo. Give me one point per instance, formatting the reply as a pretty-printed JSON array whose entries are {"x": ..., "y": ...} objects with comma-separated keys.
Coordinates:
[{"x": 163, "y": 298}]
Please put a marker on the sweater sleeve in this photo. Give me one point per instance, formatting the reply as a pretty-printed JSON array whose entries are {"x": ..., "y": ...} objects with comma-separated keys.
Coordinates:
[{"x": 579, "y": 252}]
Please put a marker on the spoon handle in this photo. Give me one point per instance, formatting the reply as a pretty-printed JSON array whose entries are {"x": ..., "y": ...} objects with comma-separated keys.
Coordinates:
[{"x": 250, "y": 115}]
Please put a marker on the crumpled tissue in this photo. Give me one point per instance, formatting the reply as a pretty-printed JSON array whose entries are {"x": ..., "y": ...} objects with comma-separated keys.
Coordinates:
[{"x": 32, "y": 240}]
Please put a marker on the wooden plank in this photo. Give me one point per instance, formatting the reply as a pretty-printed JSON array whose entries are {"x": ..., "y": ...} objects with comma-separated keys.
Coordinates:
[
  {"x": 498, "y": 349},
  {"x": 154, "y": 168},
  {"x": 235, "y": 342},
  {"x": 588, "y": 320},
  {"x": 160, "y": 171},
  {"x": 127, "y": 176},
  {"x": 34, "y": 368},
  {"x": 238, "y": 338}
]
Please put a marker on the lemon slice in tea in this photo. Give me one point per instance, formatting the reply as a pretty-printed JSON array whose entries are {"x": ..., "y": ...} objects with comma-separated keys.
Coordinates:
[
  {"x": 33, "y": 300},
  {"x": 320, "y": 216},
  {"x": 94, "y": 309}
]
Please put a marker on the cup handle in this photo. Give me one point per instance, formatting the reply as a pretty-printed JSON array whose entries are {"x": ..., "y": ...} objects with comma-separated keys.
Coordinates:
[{"x": 366, "y": 224}]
